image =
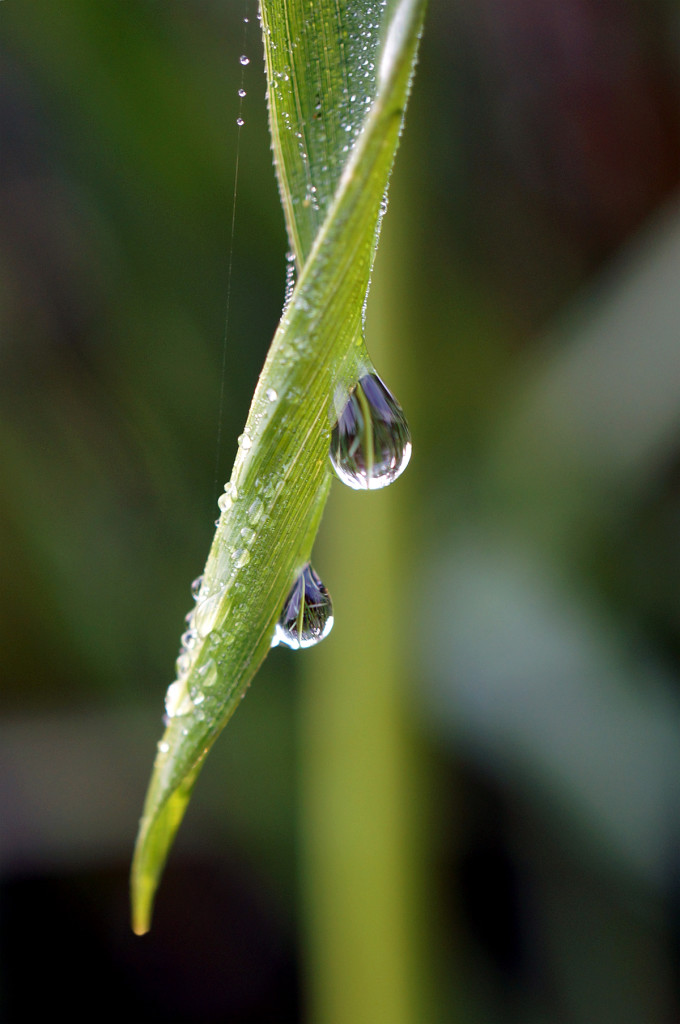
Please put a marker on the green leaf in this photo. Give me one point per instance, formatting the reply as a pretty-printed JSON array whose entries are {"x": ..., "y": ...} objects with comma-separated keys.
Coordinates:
[{"x": 338, "y": 79}]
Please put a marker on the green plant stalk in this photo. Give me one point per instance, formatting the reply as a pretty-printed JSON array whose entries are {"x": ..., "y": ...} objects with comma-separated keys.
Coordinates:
[
  {"x": 281, "y": 475},
  {"x": 365, "y": 796}
]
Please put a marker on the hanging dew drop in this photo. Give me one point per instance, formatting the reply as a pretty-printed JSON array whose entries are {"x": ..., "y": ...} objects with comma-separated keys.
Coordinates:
[
  {"x": 371, "y": 441},
  {"x": 307, "y": 615},
  {"x": 240, "y": 122},
  {"x": 244, "y": 60},
  {"x": 242, "y": 93}
]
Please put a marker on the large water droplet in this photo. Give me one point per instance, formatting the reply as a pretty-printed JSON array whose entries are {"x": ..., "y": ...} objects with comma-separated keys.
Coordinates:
[
  {"x": 307, "y": 615},
  {"x": 371, "y": 442}
]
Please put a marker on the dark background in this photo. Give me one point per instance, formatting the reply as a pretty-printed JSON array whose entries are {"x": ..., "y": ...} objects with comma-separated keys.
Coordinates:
[{"x": 528, "y": 311}]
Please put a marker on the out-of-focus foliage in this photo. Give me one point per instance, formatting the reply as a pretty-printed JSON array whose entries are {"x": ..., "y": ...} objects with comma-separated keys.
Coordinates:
[{"x": 531, "y": 245}]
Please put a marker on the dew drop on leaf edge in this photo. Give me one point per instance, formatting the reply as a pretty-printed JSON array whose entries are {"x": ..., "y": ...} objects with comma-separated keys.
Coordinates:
[
  {"x": 307, "y": 615},
  {"x": 371, "y": 441}
]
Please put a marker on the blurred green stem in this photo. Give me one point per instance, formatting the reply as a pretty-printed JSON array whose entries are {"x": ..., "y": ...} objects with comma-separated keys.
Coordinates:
[{"x": 362, "y": 790}]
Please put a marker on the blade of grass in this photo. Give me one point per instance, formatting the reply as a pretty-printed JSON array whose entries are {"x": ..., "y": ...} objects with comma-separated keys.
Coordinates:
[{"x": 281, "y": 475}]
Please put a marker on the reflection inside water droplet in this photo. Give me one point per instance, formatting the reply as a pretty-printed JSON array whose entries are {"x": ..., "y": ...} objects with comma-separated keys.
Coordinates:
[
  {"x": 371, "y": 442},
  {"x": 307, "y": 615}
]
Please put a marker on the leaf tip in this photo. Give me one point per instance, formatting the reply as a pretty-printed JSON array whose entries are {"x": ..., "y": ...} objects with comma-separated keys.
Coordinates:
[{"x": 142, "y": 891}]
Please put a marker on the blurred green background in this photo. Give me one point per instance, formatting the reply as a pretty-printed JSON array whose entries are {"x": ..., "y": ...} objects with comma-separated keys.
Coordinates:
[{"x": 463, "y": 807}]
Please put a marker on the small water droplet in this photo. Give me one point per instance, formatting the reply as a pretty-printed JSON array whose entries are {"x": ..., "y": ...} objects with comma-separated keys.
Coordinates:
[
  {"x": 226, "y": 500},
  {"x": 208, "y": 672},
  {"x": 240, "y": 122},
  {"x": 163, "y": 747},
  {"x": 248, "y": 534},
  {"x": 196, "y": 587},
  {"x": 183, "y": 664},
  {"x": 307, "y": 615},
  {"x": 205, "y": 614},
  {"x": 188, "y": 639},
  {"x": 272, "y": 394},
  {"x": 244, "y": 60},
  {"x": 177, "y": 700},
  {"x": 371, "y": 442},
  {"x": 245, "y": 442},
  {"x": 199, "y": 697},
  {"x": 241, "y": 557},
  {"x": 242, "y": 93},
  {"x": 255, "y": 511}
]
